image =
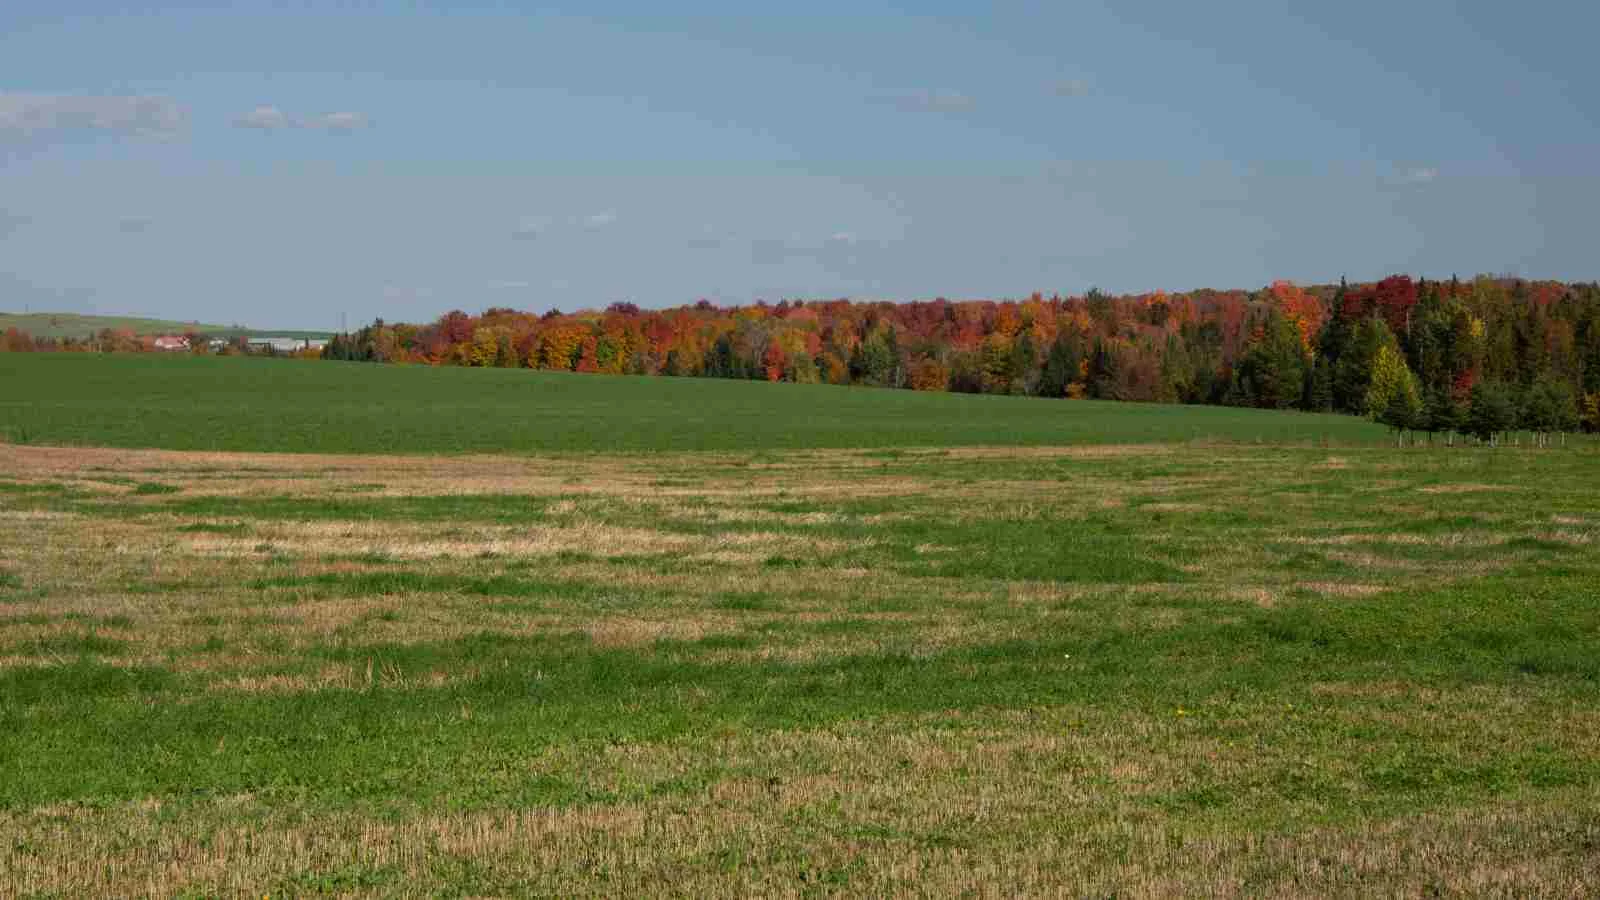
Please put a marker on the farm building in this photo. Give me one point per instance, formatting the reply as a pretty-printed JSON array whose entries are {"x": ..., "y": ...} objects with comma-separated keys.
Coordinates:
[{"x": 284, "y": 344}]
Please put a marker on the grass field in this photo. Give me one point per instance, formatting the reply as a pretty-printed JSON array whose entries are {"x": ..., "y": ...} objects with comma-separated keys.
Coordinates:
[
  {"x": 755, "y": 661},
  {"x": 215, "y": 403},
  {"x": 79, "y": 325}
]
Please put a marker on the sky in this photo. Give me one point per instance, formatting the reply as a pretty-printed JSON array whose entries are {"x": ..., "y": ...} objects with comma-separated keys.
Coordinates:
[{"x": 300, "y": 164}]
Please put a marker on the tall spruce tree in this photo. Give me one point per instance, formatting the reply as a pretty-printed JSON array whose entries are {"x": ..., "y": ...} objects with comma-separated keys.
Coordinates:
[{"x": 1272, "y": 372}]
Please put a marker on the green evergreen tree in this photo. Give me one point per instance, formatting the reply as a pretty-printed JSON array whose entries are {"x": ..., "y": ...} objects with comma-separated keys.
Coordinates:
[
  {"x": 1062, "y": 365},
  {"x": 1352, "y": 374},
  {"x": 1272, "y": 372},
  {"x": 1403, "y": 412},
  {"x": 1491, "y": 411},
  {"x": 1102, "y": 378},
  {"x": 1319, "y": 387},
  {"x": 1548, "y": 407},
  {"x": 505, "y": 355},
  {"x": 874, "y": 361},
  {"x": 1439, "y": 413},
  {"x": 1024, "y": 365}
]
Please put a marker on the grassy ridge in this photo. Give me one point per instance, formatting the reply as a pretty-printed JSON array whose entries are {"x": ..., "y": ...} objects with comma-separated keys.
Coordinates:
[
  {"x": 77, "y": 325},
  {"x": 210, "y": 403}
]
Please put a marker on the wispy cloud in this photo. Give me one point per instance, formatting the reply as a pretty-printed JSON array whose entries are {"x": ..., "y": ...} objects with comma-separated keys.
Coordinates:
[
  {"x": 1074, "y": 87},
  {"x": 1415, "y": 176},
  {"x": 509, "y": 285},
  {"x": 271, "y": 118},
  {"x": 266, "y": 118},
  {"x": 30, "y": 116},
  {"x": 338, "y": 122},
  {"x": 600, "y": 220}
]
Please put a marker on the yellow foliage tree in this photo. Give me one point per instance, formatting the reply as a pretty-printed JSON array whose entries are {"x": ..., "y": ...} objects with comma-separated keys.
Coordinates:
[
  {"x": 1591, "y": 411},
  {"x": 558, "y": 347},
  {"x": 1391, "y": 378},
  {"x": 930, "y": 375}
]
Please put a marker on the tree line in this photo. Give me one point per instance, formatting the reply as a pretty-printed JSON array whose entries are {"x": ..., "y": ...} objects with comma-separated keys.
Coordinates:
[{"x": 1480, "y": 357}]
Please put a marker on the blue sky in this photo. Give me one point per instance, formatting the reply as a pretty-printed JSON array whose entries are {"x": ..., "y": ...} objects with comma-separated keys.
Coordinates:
[{"x": 289, "y": 163}]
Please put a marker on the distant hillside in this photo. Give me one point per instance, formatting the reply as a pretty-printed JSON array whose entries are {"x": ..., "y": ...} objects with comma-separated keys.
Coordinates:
[{"x": 75, "y": 325}]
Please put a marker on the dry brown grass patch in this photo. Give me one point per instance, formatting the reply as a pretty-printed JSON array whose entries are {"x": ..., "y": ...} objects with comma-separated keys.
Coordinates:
[
  {"x": 1341, "y": 588},
  {"x": 1466, "y": 488}
]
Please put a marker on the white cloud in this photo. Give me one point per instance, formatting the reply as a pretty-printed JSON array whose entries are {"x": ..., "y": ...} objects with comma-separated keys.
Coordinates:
[
  {"x": 600, "y": 220},
  {"x": 1075, "y": 87},
  {"x": 271, "y": 118},
  {"x": 25, "y": 116},
  {"x": 266, "y": 118},
  {"x": 509, "y": 285},
  {"x": 341, "y": 122}
]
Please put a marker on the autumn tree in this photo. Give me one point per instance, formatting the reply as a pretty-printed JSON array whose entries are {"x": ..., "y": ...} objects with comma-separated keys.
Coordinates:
[
  {"x": 559, "y": 347},
  {"x": 1341, "y": 348},
  {"x": 1589, "y": 412},
  {"x": 929, "y": 374},
  {"x": 774, "y": 361},
  {"x": 15, "y": 340}
]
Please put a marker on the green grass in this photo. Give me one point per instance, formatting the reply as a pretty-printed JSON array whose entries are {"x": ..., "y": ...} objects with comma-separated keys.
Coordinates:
[
  {"x": 1172, "y": 669},
  {"x": 298, "y": 406}
]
